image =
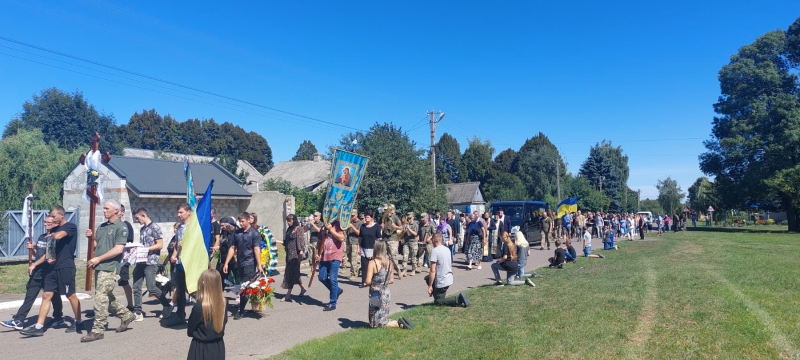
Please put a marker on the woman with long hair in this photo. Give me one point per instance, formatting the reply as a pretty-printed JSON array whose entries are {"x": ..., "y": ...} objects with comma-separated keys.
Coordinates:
[
  {"x": 508, "y": 262},
  {"x": 523, "y": 251},
  {"x": 207, "y": 320},
  {"x": 294, "y": 243},
  {"x": 369, "y": 234},
  {"x": 379, "y": 276}
]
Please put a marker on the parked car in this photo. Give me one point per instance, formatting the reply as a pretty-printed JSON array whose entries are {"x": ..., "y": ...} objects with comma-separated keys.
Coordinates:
[{"x": 525, "y": 214}]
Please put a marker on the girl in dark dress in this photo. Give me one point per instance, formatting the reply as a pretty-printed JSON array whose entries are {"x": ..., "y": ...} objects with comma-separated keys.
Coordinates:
[
  {"x": 207, "y": 320},
  {"x": 294, "y": 244}
]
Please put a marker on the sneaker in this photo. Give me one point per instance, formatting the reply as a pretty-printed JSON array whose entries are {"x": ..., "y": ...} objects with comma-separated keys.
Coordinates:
[
  {"x": 601, "y": 256},
  {"x": 462, "y": 300},
  {"x": 480, "y": 267},
  {"x": 238, "y": 315},
  {"x": 498, "y": 283},
  {"x": 139, "y": 317},
  {"x": 616, "y": 247},
  {"x": 418, "y": 271},
  {"x": 536, "y": 275},
  {"x": 530, "y": 283},
  {"x": 174, "y": 320},
  {"x": 92, "y": 336},
  {"x": 469, "y": 267},
  {"x": 341, "y": 291},
  {"x": 14, "y": 324},
  {"x": 165, "y": 312},
  {"x": 329, "y": 307},
  {"x": 56, "y": 322},
  {"x": 424, "y": 265},
  {"x": 32, "y": 331},
  {"x": 353, "y": 277}
]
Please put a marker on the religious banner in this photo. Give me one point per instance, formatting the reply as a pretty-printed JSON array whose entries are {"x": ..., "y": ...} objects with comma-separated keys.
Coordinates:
[{"x": 347, "y": 171}]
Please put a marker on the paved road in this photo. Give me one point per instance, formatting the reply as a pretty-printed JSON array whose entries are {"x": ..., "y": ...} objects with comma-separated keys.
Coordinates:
[{"x": 250, "y": 338}]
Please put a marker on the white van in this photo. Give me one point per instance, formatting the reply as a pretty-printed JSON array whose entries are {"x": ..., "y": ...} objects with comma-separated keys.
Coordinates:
[{"x": 648, "y": 218}]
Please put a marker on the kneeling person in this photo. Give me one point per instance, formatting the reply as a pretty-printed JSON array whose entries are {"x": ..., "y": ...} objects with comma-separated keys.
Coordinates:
[{"x": 441, "y": 275}]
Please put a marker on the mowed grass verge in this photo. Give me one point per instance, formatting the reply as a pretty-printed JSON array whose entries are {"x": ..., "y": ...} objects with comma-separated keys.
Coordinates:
[{"x": 686, "y": 295}]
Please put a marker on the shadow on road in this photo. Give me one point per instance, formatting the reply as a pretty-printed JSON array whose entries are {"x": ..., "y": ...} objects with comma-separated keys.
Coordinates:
[{"x": 350, "y": 324}]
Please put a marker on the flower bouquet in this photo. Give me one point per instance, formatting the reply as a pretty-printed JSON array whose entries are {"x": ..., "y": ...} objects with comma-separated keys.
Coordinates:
[{"x": 259, "y": 292}]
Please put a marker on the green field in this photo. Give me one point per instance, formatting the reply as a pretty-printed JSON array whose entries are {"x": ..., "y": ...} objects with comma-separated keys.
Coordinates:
[{"x": 697, "y": 294}]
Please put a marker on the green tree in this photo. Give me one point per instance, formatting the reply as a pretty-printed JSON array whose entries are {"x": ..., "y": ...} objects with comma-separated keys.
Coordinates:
[
  {"x": 231, "y": 164},
  {"x": 448, "y": 160},
  {"x": 653, "y": 206},
  {"x": 505, "y": 186},
  {"x": 305, "y": 202},
  {"x": 306, "y": 151},
  {"x": 29, "y": 165},
  {"x": 68, "y": 120},
  {"x": 754, "y": 153},
  {"x": 507, "y": 161},
  {"x": 670, "y": 195},
  {"x": 589, "y": 197},
  {"x": 538, "y": 159},
  {"x": 476, "y": 163},
  {"x": 396, "y": 172},
  {"x": 702, "y": 194},
  {"x": 607, "y": 165}
]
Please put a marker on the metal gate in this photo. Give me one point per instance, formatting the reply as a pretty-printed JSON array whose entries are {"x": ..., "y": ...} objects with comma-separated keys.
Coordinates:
[{"x": 12, "y": 246}]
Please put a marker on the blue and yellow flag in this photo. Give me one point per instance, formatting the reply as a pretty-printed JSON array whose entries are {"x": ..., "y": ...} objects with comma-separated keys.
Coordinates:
[
  {"x": 194, "y": 246},
  {"x": 347, "y": 171},
  {"x": 566, "y": 206}
]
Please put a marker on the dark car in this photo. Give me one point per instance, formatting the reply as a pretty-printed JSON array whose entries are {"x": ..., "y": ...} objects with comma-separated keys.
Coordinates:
[{"x": 525, "y": 214}]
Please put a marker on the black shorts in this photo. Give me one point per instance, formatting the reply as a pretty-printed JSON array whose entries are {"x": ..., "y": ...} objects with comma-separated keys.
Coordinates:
[
  {"x": 124, "y": 275},
  {"x": 60, "y": 281},
  {"x": 247, "y": 272}
]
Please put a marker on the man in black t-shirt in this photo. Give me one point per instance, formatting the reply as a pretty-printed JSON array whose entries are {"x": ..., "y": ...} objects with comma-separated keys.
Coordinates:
[
  {"x": 560, "y": 256},
  {"x": 125, "y": 270},
  {"x": 37, "y": 271},
  {"x": 61, "y": 280},
  {"x": 247, "y": 247}
]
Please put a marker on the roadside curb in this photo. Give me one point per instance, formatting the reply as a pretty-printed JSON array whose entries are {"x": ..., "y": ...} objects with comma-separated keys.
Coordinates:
[{"x": 17, "y": 303}]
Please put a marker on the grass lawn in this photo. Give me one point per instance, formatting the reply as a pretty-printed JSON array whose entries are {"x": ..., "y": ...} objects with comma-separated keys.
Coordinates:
[
  {"x": 697, "y": 294},
  {"x": 14, "y": 276}
]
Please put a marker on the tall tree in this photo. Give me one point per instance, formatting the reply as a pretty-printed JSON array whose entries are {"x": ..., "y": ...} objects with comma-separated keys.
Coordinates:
[
  {"x": 68, "y": 120},
  {"x": 306, "y": 151},
  {"x": 507, "y": 161},
  {"x": 754, "y": 152},
  {"x": 589, "y": 197},
  {"x": 670, "y": 195},
  {"x": 27, "y": 161},
  {"x": 505, "y": 186},
  {"x": 652, "y": 206},
  {"x": 703, "y": 194},
  {"x": 538, "y": 159},
  {"x": 607, "y": 165},
  {"x": 448, "y": 160},
  {"x": 396, "y": 173},
  {"x": 476, "y": 163}
]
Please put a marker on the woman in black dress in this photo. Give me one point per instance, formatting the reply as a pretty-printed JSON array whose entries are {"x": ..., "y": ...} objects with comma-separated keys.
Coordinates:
[
  {"x": 207, "y": 321},
  {"x": 294, "y": 243}
]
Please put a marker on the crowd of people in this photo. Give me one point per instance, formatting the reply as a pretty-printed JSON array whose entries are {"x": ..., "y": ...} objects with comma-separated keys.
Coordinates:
[{"x": 376, "y": 252}]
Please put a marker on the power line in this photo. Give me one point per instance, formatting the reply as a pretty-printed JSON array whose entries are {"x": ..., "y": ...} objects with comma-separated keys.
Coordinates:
[{"x": 173, "y": 83}]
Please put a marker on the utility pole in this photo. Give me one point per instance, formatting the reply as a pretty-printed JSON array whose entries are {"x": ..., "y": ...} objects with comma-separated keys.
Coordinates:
[
  {"x": 558, "y": 178},
  {"x": 639, "y": 201},
  {"x": 434, "y": 121},
  {"x": 601, "y": 183}
]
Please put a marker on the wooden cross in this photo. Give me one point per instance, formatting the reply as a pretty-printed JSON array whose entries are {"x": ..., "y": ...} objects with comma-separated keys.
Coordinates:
[{"x": 91, "y": 192}]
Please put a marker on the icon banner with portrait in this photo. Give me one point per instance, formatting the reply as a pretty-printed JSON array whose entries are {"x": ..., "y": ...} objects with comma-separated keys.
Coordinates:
[{"x": 347, "y": 171}]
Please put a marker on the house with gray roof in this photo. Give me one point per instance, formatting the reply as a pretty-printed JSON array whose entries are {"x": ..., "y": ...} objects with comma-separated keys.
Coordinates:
[
  {"x": 309, "y": 175},
  {"x": 157, "y": 185},
  {"x": 466, "y": 197}
]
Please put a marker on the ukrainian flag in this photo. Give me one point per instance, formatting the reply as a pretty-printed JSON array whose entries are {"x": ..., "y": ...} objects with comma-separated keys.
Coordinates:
[
  {"x": 566, "y": 206},
  {"x": 194, "y": 246}
]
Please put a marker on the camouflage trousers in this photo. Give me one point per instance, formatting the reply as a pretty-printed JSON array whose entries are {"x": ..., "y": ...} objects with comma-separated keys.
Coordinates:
[
  {"x": 312, "y": 253},
  {"x": 104, "y": 300},
  {"x": 410, "y": 249},
  {"x": 353, "y": 258},
  {"x": 424, "y": 250},
  {"x": 392, "y": 248}
]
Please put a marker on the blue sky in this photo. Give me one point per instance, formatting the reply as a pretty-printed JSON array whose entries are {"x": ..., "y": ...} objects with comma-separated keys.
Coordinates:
[{"x": 641, "y": 74}]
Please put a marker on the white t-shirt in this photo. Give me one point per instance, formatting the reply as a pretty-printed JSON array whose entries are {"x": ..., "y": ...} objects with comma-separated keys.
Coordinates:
[
  {"x": 587, "y": 239},
  {"x": 444, "y": 272}
]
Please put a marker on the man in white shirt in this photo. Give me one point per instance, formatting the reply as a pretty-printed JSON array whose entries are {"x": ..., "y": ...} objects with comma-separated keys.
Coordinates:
[
  {"x": 441, "y": 276},
  {"x": 587, "y": 245}
]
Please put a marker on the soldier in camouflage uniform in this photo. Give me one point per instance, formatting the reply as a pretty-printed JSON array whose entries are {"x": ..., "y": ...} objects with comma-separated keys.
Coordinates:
[
  {"x": 425, "y": 245},
  {"x": 314, "y": 226},
  {"x": 391, "y": 227},
  {"x": 352, "y": 245},
  {"x": 109, "y": 244},
  {"x": 410, "y": 246}
]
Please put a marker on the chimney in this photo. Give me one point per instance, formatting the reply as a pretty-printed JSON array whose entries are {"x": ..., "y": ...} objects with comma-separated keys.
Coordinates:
[{"x": 317, "y": 157}]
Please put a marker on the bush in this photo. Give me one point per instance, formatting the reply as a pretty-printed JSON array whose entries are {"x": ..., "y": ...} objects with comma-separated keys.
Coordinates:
[
  {"x": 770, "y": 222},
  {"x": 785, "y": 222}
]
